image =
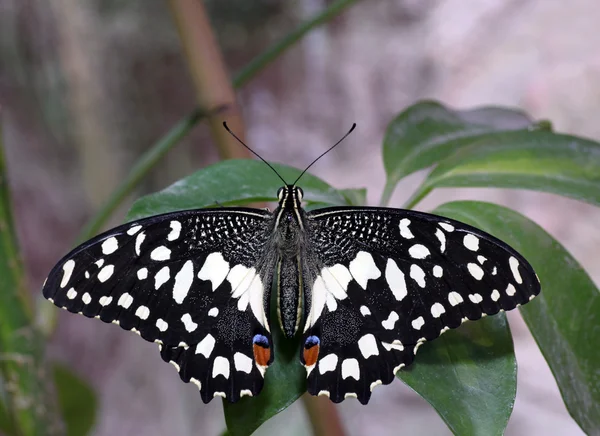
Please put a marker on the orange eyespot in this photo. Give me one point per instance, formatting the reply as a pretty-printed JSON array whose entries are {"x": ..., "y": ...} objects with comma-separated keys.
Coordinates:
[
  {"x": 311, "y": 355},
  {"x": 262, "y": 355},
  {"x": 311, "y": 350}
]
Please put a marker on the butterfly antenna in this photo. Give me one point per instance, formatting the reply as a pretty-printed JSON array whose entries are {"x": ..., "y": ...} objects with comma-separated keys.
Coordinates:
[
  {"x": 328, "y": 150},
  {"x": 252, "y": 151}
]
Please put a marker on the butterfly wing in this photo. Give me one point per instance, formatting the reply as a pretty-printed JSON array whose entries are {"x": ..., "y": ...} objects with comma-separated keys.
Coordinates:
[
  {"x": 196, "y": 282},
  {"x": 389, "y": 280}
]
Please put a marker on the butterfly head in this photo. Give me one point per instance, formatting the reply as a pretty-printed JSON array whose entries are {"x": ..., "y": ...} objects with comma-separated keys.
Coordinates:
[{"x": 290, "y": 197}]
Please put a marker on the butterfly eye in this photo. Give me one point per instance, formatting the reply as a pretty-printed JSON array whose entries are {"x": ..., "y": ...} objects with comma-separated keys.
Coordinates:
[
  {"x": 280, "y": 193},
  {"x": 300, "y": 193}
]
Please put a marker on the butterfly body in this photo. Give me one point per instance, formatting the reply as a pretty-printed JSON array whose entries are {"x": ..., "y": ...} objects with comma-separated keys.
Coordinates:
[{"x": 365, "y": 287}]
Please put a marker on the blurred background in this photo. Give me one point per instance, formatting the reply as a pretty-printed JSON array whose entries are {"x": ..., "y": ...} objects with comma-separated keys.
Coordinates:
[{"x": 87, "y": 85}]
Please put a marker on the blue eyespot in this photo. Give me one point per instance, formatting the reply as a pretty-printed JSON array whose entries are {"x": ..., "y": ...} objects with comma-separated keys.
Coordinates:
[
  {"x": 261, "y": 340},
  {"x": 311, "y": 341}
]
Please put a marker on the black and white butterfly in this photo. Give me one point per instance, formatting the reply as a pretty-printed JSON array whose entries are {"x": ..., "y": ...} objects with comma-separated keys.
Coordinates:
[{"x": 364, "y": 286}]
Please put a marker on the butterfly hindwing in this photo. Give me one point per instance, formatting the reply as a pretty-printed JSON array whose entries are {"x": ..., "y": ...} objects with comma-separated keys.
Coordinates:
[
  {"x": 195, "y": 282},
  {"x": 389, "y": 280}
]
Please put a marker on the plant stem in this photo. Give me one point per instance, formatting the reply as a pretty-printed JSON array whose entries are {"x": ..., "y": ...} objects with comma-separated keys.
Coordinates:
[
  {"x": 209, "y": 74},
  {"x": 25, "y": 381},
  {"x": 323, "y": 416},
  {"x": 145, "y": 163},
  {"x": 261, "y": 61},
  {"x": 416, "y": 198}
]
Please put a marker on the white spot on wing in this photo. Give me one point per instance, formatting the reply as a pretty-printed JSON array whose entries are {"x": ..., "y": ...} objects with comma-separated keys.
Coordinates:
[
  {"x": 404, "y": 230},
  {"x": 336, "y": 280},
  {"x": 142, "y": 273},
  {"x": 454, "y": 298},
  {"x": 328, "y": 363},
  {"x": 213, "y": 312},
  {"x": 319, "y": 298},
  {"x": 161, "y": 325},
  {"x": 350, "y": 368},
  {"x": 442, "y": 238},
  {"x": 221, "y": 367},
  {"x": 242, "y": 362},
  {"x": 390, "y": 321},
  {"x": 396, "y": 345},
  {"x": 215, "y": 269},
  {"x": 86, "y": 298},
  {"x": 175, "y": 230},
  {"x": 363, "y": 268},
  {"x": 471, "y": 242},
  {"x": 514, "y": 267},
  {"x": 105, "y": 300},
  {"x": 417, "y": 274},
  {"x": 368, "y": 346},
  {"x": 160, "y": 253},
  {"x": 495, "y": 295},
  {"x": 142, "y": 312},
  {"x": 189, "y": 325},
  {"x": 447, "y": 227},
  {"x": 476, "y": 298},
  {"x": 438, "y": 271},
  {"x": 247, "y": 285},
  {"x": 437, "y": 310},
  {"x": 71, "y": 294},
  {"x": 110, "y": 245},
  {"x": 418, "y": 323},
  {"x": 162, "y": 277},
  {"x": 475, "y": 270},
  {"x": 206, "y": 346},
  {"x": 138, "y": 242},
  {"x": 125, "y": 300},
  {"x": 396, "y": 281},
  {"x": 510, "y": 290},
  {"x": 106, "y": 272},
  {"x": 133, "y": 230},
  {"x": 183, "y": 282},
  {"x": 481, "y": 259},
  {"x": 418, "y": 251},
  {"x": 68, "y": 270},
  {"x": 364, "y": 310}
]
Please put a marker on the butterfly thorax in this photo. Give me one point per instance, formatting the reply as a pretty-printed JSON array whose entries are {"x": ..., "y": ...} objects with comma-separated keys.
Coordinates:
[{"x": 289, "y": 241}]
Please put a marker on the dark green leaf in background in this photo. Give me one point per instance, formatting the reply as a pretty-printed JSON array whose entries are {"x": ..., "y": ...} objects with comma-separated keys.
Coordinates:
[
  {"x": 77, "y": 401},
  {"x": 469, "y": 375},
  {"x": 537, "y": 160},
  {"x": 565, "y": 318},
  {"x": 427, "y": 132}
]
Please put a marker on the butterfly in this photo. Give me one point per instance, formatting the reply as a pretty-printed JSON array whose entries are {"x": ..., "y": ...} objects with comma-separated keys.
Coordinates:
[{"x": 364, "y": 286}]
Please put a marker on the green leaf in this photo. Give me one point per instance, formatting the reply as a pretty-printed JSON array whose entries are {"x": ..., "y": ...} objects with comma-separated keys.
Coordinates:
[
  {"x": 564, "y": 318},
  {"x": 77, "y": 401},
  {"x": 427, "y": 132},
  {"x": 469, "y": 375},
  {"x": 233, "y": 182},
  {"x": 285, "y": 382},
  {"x": 538, "y": 160}
]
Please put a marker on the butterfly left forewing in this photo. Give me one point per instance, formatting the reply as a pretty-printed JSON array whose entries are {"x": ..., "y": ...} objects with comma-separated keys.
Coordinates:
[
  {"x": 389, "y": 280},
  {"x": 195, "y": 282}
]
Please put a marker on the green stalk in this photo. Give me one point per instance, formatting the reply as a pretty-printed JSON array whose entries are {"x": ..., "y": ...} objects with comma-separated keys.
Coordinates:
[
  {"x": 416, "y": 198},
  {"x": 149, "y": 159},
  {"x": 257, "y": 64},
  {"x": 25, "y": 385},
  {"x": 142, "y": 167}
]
